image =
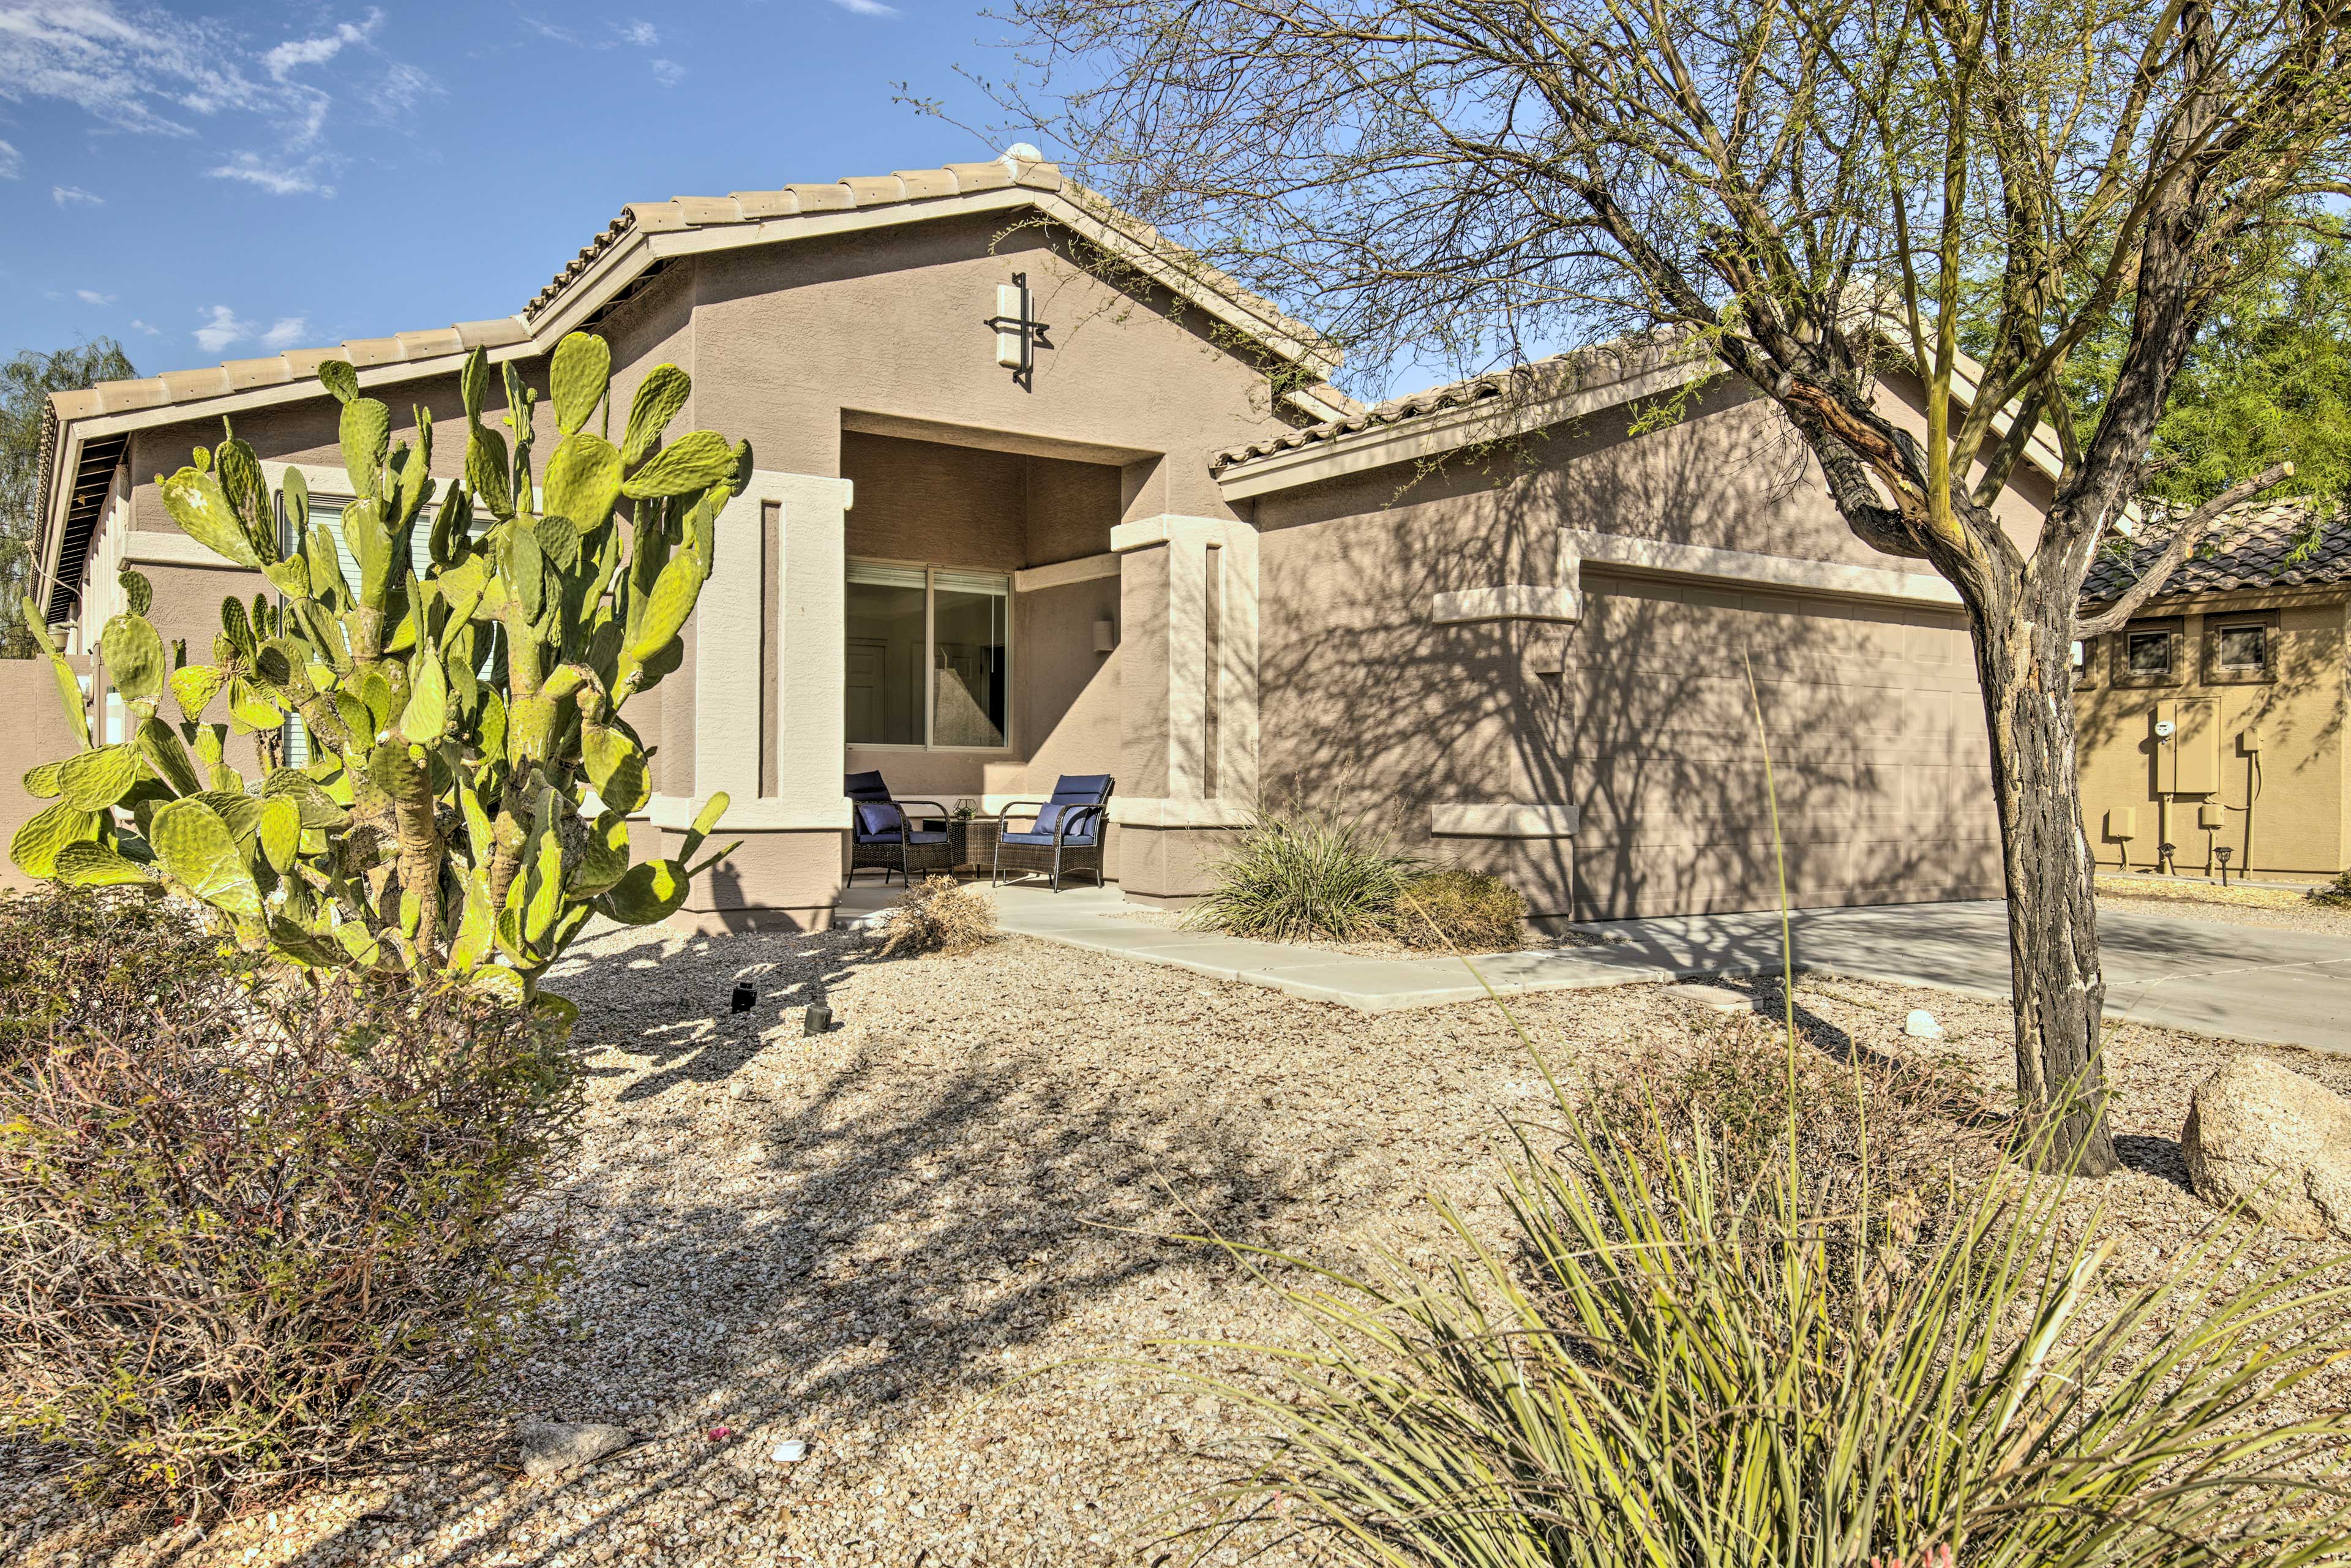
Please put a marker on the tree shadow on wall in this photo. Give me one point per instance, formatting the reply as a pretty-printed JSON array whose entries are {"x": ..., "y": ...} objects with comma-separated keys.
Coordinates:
[{"x": 1641, "y": 713}]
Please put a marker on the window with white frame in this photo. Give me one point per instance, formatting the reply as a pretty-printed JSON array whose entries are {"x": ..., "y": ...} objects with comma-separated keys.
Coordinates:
[{"x": 929, "y": 656}]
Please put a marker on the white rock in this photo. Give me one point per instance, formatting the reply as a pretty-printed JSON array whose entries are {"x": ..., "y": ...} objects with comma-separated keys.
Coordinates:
[
  {"x": 2280, "y": 1143},
  {"x": 791, "y": 1451},
  {"x": 551, "y": 1447},
  {"x": 1921, "y": 1024}
]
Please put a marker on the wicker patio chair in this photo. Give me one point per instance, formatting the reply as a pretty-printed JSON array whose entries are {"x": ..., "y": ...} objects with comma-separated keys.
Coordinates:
[
  {"x": 1066, "y": 835},
  {"x": 882, "y": 835}
]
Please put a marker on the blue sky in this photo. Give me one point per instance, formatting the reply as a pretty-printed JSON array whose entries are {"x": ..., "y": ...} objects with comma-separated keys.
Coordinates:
[{"x": 210, "y": 183}]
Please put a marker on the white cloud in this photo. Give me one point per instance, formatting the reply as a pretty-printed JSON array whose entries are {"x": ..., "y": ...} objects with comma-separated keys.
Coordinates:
[
  {"x": 643, "y": 34},
  {"x": 92, "y": 297},
  {"x": 295, "y": 53},
  {"x": 139, "y": 67},
  {"x": 138, "y": 325},
  {"x": 74, "y": 196},
  {"x": 669, "y": 73},
  {"x": 286, "y": 332},
  {"x": 279, "y": 179},
  {"x": 867, "y": 7},
  {"x": 223, "y": 330},
  {"x": 12, "y": 163}
]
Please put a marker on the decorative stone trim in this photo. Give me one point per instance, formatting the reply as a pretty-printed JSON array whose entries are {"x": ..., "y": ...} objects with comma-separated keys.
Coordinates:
[
  {"x": 1665, "y": 560},
  {"x": 1060, "y": 574},
  {"x": 1149, "y": 812},
  {"x": 1502, "y": 820},
  {"x": 1511, "y": 601}
]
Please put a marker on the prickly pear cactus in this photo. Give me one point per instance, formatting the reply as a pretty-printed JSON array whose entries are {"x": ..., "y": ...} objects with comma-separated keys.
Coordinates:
[{"x": 464, "y": 806}]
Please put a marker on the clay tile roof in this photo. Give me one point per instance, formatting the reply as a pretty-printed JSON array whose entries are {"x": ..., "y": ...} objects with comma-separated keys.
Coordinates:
[
  {"x": 2249, "y": 548},
  {"x": 1555, "y": 375}
]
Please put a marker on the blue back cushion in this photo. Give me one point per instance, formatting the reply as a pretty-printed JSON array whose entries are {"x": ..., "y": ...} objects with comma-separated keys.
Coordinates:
[
  {"x": 864, "y": 787},
  {"x": 1083, "y": 789},
  {"x": 878, "y": 817}
]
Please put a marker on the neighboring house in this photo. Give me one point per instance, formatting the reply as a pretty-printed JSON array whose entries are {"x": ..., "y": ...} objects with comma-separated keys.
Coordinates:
[
  {"x": 2214, "y": 720},
  {"x": 1141, "y": 558}
]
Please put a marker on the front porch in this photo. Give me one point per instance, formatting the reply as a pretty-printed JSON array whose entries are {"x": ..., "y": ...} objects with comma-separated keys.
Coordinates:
[{"x": 973, "y": 615}]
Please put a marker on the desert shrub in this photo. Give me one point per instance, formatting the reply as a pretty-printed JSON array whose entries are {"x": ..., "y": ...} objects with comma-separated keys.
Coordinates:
[
  {"x": 252, "y": 1229},
  {"x": 939, "y": 915},
  {"x": 1454, "y": 909},
  {"x": 1678, "y": 1363},
  {"x": 1301, "y": 872},
  {"x": 2335, "y": 895}
]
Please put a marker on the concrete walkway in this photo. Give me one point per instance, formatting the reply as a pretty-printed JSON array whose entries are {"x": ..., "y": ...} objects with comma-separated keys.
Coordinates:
[
  {"x": 2247, "y": 982},
  {"x": 1102, "y": 920}
]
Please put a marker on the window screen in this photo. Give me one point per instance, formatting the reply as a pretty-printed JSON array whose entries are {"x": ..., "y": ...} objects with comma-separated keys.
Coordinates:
[
  {"x": 2149, "y": 652},
  {"x": 2244, "y": 647}
]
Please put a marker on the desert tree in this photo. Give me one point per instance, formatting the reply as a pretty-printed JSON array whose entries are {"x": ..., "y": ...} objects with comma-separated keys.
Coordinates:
[
  {"x": 1818, "y": 194},
  {"x": 26, "y": 382}
]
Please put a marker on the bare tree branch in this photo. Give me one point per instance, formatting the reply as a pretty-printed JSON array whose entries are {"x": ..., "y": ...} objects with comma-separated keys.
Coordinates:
[{"x": 2185, "y": 536}]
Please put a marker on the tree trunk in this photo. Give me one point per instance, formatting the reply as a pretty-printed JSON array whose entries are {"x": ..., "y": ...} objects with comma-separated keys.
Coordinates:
[{"x": 2024, "y": 664}]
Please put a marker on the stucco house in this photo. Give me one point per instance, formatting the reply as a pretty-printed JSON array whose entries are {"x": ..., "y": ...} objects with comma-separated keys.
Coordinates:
[
  {"x": 1148, "y": 538},
  {"x": 2213, "y": 722}
]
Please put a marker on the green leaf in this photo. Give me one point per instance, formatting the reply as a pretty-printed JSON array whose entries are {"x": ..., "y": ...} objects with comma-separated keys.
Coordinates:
[
  {"x": 95, "y": 865},
  {"x": 137, "y": 592},
  {"x": 583, "y": 480},
  {"x": 35, "y": 848},
  {"x": 316, "y": 808},
  {"x": 579, "y": 376},
  {"x": 158, "y": 743},
  {"x": 427, "y": 714},
  {"x": 398, "y": 776},
  {"x": 44, "y": 779},
  {"x": 93, "y": 781},
  {"x": 200, "y": 506},
  {"x": 135, "y": 658},
  {"x": 249, "y": 707},
  {"x": 658, "y": 397},
  {"x": 193, "y": 687},
  {"x": 616, "y": 765},
  {"x": 695, "y": 461},
  {"x": 651, "y": 892},
  {"x": 667, "y": 608},
  {"x": 366, "y": 437},
  {"x": 486, "y": 470},
  {"x": 338, "y": 378},
  {"x": 712, "y": 810},
  {"x": 604, "y": 857},
  {"x": 280, "y": 832},
  {"x": 198, "y": 851}
]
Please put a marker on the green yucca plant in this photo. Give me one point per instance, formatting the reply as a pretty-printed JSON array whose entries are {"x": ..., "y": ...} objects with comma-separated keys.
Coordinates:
[
  {"x": 1300, "y": 871},
  {"x": 465, "y": 808},
  {"x": 1670, "y": 1371},
  {"x": 1696, "y": 1358}
]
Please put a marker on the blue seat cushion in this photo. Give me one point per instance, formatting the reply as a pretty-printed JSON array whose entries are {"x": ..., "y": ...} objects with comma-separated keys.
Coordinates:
[
  {"x": 878, "y": 819},
  {"x": 1082, "y": 789},
  {"x": 1078, "y": 838},
  {"x": 926, "y": 838}
]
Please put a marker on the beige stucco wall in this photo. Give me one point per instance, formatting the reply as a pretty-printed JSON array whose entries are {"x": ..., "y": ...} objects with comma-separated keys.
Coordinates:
[
  {"x": 1637, "y": 715},
  {"x": 39, "y": 731},
  {"x": 2284, "y": 802}
]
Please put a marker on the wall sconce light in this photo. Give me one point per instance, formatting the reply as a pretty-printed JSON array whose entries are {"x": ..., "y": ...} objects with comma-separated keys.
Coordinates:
[
  {"x": 1019, "y": 333},
  {"x": 1105, "y": 636}
]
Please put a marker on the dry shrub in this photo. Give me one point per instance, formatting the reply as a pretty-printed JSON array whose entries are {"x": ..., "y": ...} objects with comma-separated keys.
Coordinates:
[
  {"x": 253, "y": 1228},
  {"x": 939, "y": 915},
  {"x": 1457, "y": 910},
  {"x": 2335, "y": 895}
]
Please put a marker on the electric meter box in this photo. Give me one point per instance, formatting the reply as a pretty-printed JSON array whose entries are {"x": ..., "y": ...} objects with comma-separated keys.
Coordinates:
[{"x": 2188, "y": 746}]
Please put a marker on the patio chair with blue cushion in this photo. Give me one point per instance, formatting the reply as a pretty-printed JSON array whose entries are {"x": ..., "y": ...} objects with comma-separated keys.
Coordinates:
[
  {"x": 882, "y": 834},
  {"x": 1066, "y": 835}
]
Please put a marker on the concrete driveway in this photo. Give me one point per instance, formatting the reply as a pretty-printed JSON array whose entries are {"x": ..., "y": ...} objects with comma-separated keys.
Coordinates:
[{"x": 2246, "y": 982}]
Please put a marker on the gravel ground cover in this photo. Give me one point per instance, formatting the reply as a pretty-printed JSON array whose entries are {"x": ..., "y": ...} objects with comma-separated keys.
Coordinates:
[
  {"x": 2285, "y": 909},
  {"x": 920, "y": 1244}
]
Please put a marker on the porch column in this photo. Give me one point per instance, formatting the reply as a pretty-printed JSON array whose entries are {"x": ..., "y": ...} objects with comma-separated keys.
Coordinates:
[
  {"x": 1189, "y": 610},
  {"x": 769, "y": 700}
]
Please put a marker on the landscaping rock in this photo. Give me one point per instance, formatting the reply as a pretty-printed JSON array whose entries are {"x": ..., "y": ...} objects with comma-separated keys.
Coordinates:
[
  {"x": 552, "y": 1447},
  {"x": 2276, "y": 1140}
]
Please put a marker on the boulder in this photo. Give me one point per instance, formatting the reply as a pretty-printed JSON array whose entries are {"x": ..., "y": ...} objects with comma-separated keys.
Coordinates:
[
  {"x": 2276, "y": 1140},
  {"x": 552, "y": 1447}
]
